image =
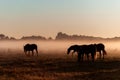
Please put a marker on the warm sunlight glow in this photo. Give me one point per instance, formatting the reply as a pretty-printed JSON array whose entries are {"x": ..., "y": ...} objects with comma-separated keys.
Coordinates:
[{"x": 44, "y": 17}]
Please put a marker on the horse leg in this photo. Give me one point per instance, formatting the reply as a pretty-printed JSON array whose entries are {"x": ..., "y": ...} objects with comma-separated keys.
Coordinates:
[
  {"x": 28, "y": 53},
  {"x": 32, "y": 53},
  {"x": 37, "y": 52},
  {"x": 25, "y": 53},
  {"x": 73, "y": 53},
  {"x": 87, "y": 56},
  {"x": 92, "y": 54},
  {"x": 79, "y": 57},
  {"x": 100, "y": 54},
  {"x": 104, "y": 53}
]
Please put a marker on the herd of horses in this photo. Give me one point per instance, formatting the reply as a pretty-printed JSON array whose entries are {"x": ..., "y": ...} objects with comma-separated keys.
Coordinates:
[
  {"x": 81, "y": 50},
  {"x": 88, "y": 50}
]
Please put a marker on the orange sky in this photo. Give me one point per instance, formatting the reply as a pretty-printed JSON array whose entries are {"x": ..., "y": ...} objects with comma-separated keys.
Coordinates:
[{"x": 48, "y": 17}]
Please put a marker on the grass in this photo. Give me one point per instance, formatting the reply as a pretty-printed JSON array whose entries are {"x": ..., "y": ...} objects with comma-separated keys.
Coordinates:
[{"x": 17, "y": 66}]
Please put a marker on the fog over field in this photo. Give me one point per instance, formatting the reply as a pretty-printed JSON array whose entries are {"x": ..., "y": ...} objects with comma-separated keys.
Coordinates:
[
  {"x": 53, "y": 63},
  {"x": 56, "y": 47}
]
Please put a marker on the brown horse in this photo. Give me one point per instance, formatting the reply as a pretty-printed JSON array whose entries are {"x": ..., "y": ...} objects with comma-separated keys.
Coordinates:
[
  {"x": 101, "y": 49},
  {"x": 30, "y": 47},
  {"x": 83, "y": 49},
  {"x": 87, "y": 50},
  {"x": 73, "y": 49}
]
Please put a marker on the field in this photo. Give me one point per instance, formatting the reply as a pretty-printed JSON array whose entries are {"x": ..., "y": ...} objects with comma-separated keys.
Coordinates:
[{"x": 56, "y": 65}]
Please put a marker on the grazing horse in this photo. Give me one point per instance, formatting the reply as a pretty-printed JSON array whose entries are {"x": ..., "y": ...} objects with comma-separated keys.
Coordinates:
[
  {"x": 76, "y": 48},
  {"x": 30, "y": 47},
  {"x": 73, "y": 48},
  {"x": 91, "y": 49},
  {"x": 101, "y": 49},
  {"x": 83, "y": 49},
  {"x": 87, "y": 49}
]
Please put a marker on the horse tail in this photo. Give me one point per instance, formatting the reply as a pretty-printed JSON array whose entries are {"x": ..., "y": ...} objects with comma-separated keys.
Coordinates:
[
  {"x": 37, "y": 51},
  {"x": 104, "y": 52}
]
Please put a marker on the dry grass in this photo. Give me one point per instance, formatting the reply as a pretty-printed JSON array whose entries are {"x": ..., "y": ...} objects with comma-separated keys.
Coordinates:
[{"x": 56, "y": 67}]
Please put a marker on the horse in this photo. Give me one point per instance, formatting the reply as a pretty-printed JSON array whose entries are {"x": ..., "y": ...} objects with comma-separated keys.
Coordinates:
[
  {"x": 100, "y": 47},
  {"x": 74, "y": 48},
  {"x": 86, "y": 50},
  {"x": 81, "y": 50},
  {"x": 30, "y": 47}
]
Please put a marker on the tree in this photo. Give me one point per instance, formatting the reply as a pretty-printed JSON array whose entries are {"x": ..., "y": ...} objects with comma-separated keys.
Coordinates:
[{"x": 2, "y": 36}]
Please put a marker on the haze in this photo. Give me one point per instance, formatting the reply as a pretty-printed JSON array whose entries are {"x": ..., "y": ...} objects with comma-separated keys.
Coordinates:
[
  {"x": 55, "y": 47},
  {"x": 47, "y": 17}
]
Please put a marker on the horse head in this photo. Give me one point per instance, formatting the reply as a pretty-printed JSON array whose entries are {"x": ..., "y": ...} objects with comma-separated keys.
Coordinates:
[{"x": 68, "y": 50}]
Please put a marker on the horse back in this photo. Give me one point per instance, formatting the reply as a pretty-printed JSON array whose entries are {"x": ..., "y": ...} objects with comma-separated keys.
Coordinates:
[
  {"x": 100, "y": 47},
  {"x": 30, "y": 47}
]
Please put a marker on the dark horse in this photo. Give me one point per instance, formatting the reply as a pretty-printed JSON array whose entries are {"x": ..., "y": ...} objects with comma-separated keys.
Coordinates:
[
  {"x": 87, "y": 50},
  {"x": 83, "y": 50},
  {"x": 101, "y": 49},
  {"x": 30, "y": 47},
  {"x": 73, "y": 48}
]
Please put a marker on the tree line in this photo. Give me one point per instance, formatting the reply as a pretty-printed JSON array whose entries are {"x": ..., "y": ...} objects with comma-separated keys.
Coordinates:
[{"x": 59, "y": 36}]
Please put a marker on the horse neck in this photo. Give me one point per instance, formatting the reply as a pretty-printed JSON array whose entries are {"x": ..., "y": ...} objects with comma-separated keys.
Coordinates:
[{"x": 69, "y": 49}]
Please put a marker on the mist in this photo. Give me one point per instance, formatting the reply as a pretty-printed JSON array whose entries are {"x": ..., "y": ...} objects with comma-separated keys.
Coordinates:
[{"x": 56, "y": 47}]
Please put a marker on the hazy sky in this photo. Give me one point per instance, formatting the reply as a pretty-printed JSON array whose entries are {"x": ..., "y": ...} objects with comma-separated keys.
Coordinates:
[{"x": 47, "y": 17}]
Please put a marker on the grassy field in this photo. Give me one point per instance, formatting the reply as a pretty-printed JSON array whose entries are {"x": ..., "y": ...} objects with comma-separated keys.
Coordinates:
[{"x": 53, "y": 66}]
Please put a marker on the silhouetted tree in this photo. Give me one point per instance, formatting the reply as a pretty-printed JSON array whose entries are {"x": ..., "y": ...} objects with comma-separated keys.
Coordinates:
[
  {"x": 61, "y": 36},
  {"x": 2, "y": 36},
  {"x": 64, "y": 36},
  {"x": 12, "y": 38},
  {"x": 6, "y": 37},
  {"x": 33, "y": 38},
  {"x": 50, "y": 38}
]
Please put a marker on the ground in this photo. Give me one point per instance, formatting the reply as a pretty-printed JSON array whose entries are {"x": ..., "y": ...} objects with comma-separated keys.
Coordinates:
[{"x": 17, "y": 66}]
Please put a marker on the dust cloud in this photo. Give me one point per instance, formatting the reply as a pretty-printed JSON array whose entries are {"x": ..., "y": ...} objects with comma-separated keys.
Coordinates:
[{"x": 59, "y": 47}]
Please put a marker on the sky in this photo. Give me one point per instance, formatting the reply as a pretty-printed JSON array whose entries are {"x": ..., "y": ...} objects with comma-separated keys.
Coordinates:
[{"x": 100, "y": 18}]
